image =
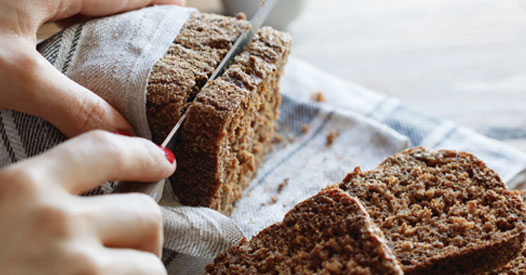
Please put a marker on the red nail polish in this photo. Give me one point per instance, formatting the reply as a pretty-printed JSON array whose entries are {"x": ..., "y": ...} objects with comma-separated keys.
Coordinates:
[
  {"x": 123, "y": 133},
  {"x": 168, "y": 154}
]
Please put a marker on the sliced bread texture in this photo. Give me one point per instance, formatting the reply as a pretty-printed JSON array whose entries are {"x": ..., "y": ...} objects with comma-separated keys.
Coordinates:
[
  {"x": 441, "y": 212},
  {"x": 329, "y": 233}
]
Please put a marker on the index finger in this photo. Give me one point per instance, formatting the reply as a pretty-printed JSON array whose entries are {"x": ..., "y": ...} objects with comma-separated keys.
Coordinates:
[{"x": 89, "y": 160}]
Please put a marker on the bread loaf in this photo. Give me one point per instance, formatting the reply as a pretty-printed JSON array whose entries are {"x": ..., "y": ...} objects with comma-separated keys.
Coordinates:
[{"x": 232, "y": 121}]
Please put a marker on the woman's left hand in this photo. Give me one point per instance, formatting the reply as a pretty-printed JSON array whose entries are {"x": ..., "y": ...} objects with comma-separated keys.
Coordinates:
[{"x": 30, "y": 84}]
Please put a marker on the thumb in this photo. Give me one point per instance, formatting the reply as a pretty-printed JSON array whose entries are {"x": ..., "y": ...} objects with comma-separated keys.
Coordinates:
[{"x": 73, "y": 109}]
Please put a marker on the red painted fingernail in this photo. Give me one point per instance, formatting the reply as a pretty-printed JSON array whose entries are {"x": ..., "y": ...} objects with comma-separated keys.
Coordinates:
[
  {"x": 168, "y": 154},
  {"x": 123, "y": 133}
]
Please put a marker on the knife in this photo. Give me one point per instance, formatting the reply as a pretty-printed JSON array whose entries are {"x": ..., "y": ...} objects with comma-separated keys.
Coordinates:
[{"x": 155, "y": 189}]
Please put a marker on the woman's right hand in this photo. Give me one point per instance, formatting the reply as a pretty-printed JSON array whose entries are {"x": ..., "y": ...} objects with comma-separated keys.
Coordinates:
[{"x": 46, "y": 228}]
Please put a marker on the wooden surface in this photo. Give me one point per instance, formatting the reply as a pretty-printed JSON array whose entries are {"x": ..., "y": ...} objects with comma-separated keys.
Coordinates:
[{"x": 463, "y": 60}]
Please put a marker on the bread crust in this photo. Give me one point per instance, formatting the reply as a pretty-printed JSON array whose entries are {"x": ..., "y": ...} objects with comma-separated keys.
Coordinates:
[{"x": 474, "y": 260}]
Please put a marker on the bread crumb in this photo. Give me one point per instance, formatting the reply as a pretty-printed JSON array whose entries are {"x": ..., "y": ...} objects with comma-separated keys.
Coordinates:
[
  {"x": 318, "y": 97},
  {"x": 305, "y": 128},
  {"x": 241, "y": 16},
  {"x": 282, "y": 185},
  {"x": 292, "y": 139},
  {"x": 331, "y": 137},
  {"x": 273, "y": 200},
  {"x": 277, "y": 138}
]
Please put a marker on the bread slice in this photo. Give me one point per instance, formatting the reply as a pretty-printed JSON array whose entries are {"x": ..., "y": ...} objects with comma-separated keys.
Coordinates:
[
  {"x": 179, "y": 75},
  {"x": 329, "y": 233},
  {"x": 518, "y": 265},
  {"x": 230, "y": 125},
  {"x": 442, "y": 212}
]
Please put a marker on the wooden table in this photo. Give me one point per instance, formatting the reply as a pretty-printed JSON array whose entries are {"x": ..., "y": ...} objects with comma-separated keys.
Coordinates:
[{"x": 463, "y": 60}]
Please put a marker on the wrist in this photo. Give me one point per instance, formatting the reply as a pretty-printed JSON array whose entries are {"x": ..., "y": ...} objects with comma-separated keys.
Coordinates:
[{"x": 19, "y": 70}]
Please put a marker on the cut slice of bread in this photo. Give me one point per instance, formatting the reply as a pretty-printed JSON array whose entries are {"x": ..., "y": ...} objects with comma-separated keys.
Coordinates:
[
  {"x": 329, "y": 233},
  {"x": 441, "y": 212}
]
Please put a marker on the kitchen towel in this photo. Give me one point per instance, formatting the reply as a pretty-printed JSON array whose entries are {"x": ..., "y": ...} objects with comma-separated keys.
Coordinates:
[
  {"x": 320, "y": 143},
  {"x": 301, "y": 80}
]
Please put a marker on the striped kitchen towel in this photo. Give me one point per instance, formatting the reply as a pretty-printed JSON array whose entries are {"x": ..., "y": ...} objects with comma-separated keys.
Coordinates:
[
  {"x": 302, "y": 79},
  {"x": 320, "y": 142}
]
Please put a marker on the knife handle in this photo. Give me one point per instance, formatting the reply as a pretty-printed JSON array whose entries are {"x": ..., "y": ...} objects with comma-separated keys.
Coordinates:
[{"x": 153, "y": 189}]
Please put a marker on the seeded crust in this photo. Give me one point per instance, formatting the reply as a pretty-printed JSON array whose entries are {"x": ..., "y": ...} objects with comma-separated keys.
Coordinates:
[
  {"x": 329, "y": 233},
  {"x": 177, "y": 77},
  {"x": 518, "y": 265},
  {"x": 230, "y": 125},
  {"x": 441, "y": 212}
]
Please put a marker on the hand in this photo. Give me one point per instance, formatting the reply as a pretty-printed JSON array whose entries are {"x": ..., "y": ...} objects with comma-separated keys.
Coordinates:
[
  {"x": 30, "y": 84},
  {"x": 45, "y": 228}
]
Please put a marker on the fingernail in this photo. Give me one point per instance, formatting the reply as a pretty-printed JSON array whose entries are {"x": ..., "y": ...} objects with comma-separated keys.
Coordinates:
[
  {"x": 123, "y": 133},
  {"x": 168, "y": 154}
]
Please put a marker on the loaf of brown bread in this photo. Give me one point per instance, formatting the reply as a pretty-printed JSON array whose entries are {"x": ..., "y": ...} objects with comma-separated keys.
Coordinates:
[
  {"x": 441, "y": 212},
  {"x": 231, "y": 122},
  {"x": 329, "y": 233}
]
